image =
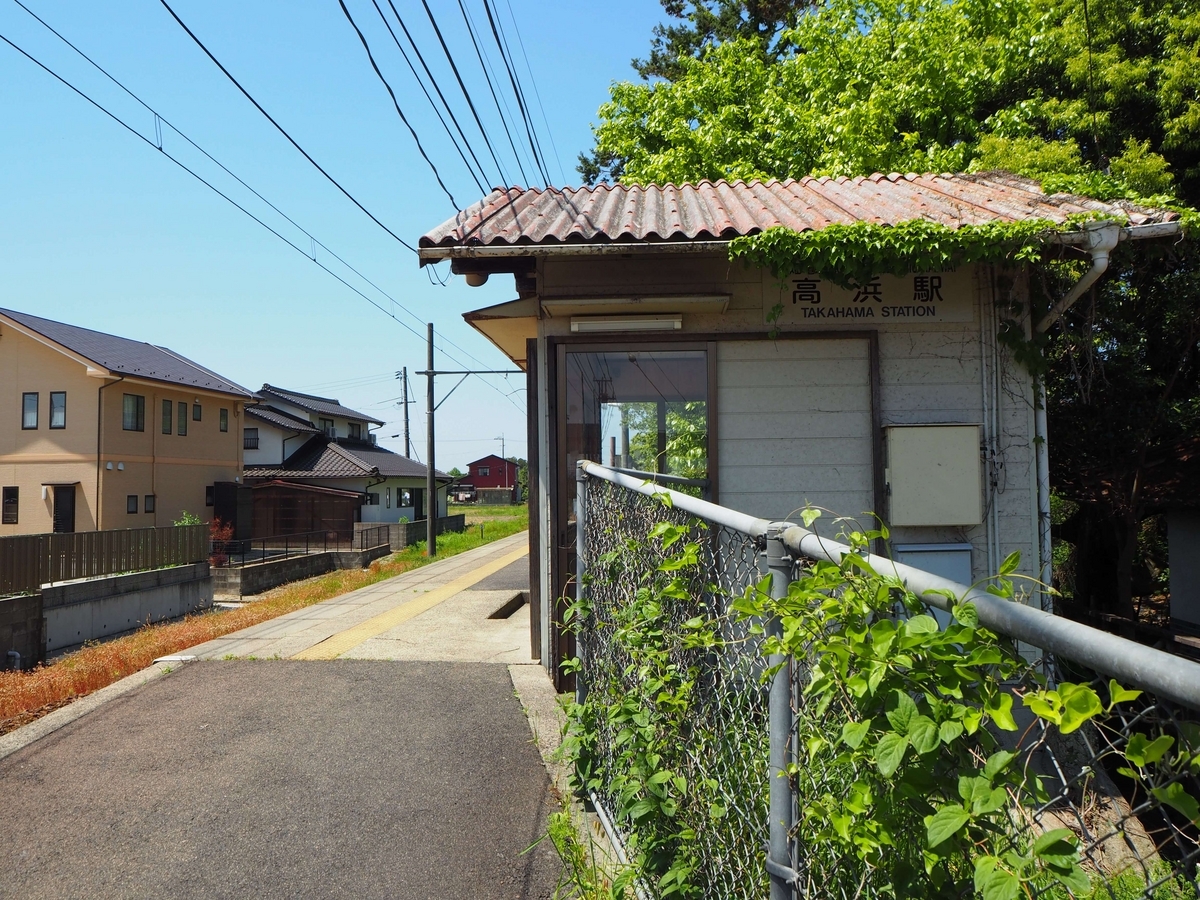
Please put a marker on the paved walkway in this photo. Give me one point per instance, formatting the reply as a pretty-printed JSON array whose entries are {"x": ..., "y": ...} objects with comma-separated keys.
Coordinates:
[{"x": 410, "y": 771}]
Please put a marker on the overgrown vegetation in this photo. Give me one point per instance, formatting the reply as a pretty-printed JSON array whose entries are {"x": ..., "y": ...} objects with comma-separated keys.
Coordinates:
[
  {"x": 24, "y": 696},
  {"x": 912, "y": 774}
]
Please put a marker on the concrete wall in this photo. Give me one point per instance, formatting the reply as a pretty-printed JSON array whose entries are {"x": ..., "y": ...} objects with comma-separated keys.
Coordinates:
[
  {"x": 21, "y": 630},
  {"x": 254, "y": 579},
  {"x": 96, "y": 608},
  {"x": 405, "y": 534}
]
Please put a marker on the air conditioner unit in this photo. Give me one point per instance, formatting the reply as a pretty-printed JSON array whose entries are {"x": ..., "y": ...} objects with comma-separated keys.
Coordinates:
[{"x": 371, "y": 437}]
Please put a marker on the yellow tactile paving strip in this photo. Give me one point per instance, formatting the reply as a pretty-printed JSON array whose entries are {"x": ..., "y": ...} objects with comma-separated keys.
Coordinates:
[{"x": 344, "y": 641}]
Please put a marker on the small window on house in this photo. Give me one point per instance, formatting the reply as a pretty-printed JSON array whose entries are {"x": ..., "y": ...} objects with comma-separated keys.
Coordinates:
[
  {"x": 327, "y": 428},
  {"x": 11, "y": 505},
  {"x": 131, "y": 503},
  {"x": 223, "y": 418},
  {"x": 168, "y": 415},
  {"x": 355, "y": 431},
  {"x": 387, "y": 497},
  {"x": 58, "y": 409},
  {"x": 209, "y": 492},
  {"x": 149, "y": 503},
  {"x": 195, "y": 412},
  {"x": 133, "y": 412},
  {"x": 29, "y": 411},
  {"x": 403, "y": 497},
  {"x": 372, "y": 499},
  {"x": 485, "y": 471},
  {"x": 181, "y": 421},
  {"x": 249, "y": 438}
]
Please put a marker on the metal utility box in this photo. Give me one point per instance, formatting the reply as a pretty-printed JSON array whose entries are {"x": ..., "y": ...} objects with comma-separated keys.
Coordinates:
[{"x": 934, "y": 475}]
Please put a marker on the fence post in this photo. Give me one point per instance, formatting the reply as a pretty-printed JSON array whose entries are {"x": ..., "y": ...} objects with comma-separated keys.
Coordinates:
[
  {"x": 580, "y": 547},
  {"x": 779, "y": 705}
]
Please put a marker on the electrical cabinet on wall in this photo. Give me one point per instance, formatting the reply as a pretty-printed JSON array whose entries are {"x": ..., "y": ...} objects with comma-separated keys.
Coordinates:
[{"x": 934, "y": 475}]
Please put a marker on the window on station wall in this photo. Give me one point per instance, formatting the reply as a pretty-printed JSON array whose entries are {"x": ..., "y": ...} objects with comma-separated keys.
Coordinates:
[
  {"x": 638, "y": 409},
  {"x": 168, "y": 411},
  {"x": 11, "y": 505},
  {"x": 196, "y": 412},
  {"x": 133, "y": 412},
  {"x": 29, "y": 411},
  {"x": 148, "y": 503},
  {"x": 131, "y": 503},
  {"x": 181, "y": 421},
  {"x": 223, "y": 418}
]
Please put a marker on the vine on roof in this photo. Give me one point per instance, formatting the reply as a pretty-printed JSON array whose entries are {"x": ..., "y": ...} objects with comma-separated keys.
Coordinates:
[{"x": 851, "y": 255}]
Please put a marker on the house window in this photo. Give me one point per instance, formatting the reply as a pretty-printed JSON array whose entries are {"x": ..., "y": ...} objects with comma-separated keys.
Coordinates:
[
  {"x": 131, "y": 503},
  {"x": 404, "y": 497},
  {"x": 387, "y": 497},
  {"x": 168, "y": 408},
  {"x": 133, "y": 412},
  {"x": 209, "y": 493},
  {"x": 149, "y": 503},
  {"x": 181, "y": 420},
  {"x": 355, "y": 431},
  {"x": 195, "y": 412},
  {"x": 249, "y": 438},
  {"x": 372, "y": 499},
  {"x": 327, "y": 428},
  {"x": 223, "y": 418},
  {"x": 29, "y": 411},
  {"x": 58, "y": 409},
  {"x": 11, "y": 503},
  {"x": 485, "y": 471}
]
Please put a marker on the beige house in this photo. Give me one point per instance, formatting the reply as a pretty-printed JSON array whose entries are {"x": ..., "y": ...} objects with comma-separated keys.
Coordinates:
[{"x": 101, "y": 432}]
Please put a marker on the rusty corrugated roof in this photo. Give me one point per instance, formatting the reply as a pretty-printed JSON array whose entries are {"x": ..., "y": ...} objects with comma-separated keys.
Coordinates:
[{"x": 614, "y": 213}]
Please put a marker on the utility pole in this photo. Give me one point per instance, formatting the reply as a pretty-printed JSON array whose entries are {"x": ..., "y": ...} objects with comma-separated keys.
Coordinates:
[
  {"x": 503, "y": 457},
  {"x": 407, "y": 442},
  {"x": 430, "y": 486},
  {"x": 430, "y": 407}
]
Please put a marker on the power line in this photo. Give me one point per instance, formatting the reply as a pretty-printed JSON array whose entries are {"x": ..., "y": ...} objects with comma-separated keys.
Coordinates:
[
  {"x": 230, "y": 200},
  {"x": 536, "y": 92},
  {"x": 471, "y": 103},
  {"x": 425, "y": 91},
  {"x": 492, "y": 88},
  {"x": 396, "y": 103},
  {"x": 504, "y": 56},
  {"x": 281, "y": 130}
]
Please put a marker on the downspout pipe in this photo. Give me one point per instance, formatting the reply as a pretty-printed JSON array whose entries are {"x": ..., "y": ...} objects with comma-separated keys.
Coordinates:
[{"x": 1100, "y": 239}]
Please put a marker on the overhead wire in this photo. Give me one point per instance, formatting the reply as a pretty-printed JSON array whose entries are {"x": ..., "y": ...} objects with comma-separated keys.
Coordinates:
[
  {"x": 463, "y": 87},
  {"x": 538, "y": 94},
  {"x": 438, "y": 112},
  {"x": 157, "y": 145},
  {"x": 492, "y": 88},
  {"x": 396, "y": 103},
  {"x": 281, "y": 129},
  {"x": 504, "y": 56}
]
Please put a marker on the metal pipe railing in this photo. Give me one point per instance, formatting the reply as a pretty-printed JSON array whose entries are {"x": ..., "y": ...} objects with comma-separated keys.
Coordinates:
[{"x": 1133, "y": 664}]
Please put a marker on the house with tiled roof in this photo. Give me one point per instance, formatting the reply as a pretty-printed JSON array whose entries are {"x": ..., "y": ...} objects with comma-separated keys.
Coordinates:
[
  {"x": 648, "y": 348},
  {"x": 99, "y": 431},
  {"x": 312, "y": 464}
]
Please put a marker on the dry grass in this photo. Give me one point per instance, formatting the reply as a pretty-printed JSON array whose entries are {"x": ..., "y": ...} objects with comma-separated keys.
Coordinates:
[{"x": 24, "y": 696}]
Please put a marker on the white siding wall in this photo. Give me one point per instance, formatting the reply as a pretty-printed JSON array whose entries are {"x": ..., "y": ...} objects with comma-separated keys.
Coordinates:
[{"x": 794, "y": 426}]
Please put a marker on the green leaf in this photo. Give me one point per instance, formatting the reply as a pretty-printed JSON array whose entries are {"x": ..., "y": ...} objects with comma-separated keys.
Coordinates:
[
  {"x": 997, "y": 763},
  {"x": 921, "y": 624},
  {"x": 1118, "y": 694},
  {"x": 1142, "y": 752},
  {"x": 809, "y": 515},
  {"x": 1178, "y": 799},
  {"x": 950, "y": 731},
  {"x": 1058, "y": 842},
  {"x": 1073, "y": 879},
  {"x": 944, "y": 824},
  {"x": 966, "y": 614},
  {"x": 994, "y": 882},
  {"x": 1010, "y": 563},
  {"x": 923, "y": 734},
  {"x": 1080, "y": 703},
  {"x": 999, "y": 707},
  {"x": 889, "y": 753},
  {"x": 854, "y": 732},
  {"x": 901, "y": 710}
]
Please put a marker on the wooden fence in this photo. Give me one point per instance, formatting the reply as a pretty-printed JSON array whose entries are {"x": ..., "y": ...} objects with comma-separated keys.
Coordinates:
[{"x": 27, "y": 561}]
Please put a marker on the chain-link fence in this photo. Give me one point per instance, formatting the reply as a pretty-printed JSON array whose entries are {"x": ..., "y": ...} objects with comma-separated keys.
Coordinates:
[{"x": 674, "y": 679}]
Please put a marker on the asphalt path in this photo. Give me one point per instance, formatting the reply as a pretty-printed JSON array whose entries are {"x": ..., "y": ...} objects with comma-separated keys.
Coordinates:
[{"x": 277, "y": 778}]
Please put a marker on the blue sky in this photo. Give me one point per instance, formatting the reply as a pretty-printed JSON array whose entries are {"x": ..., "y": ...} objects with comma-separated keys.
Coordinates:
[{"x": 98, "y": 229}]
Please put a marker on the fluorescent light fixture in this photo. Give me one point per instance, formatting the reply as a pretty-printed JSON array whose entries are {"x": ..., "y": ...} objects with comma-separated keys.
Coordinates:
[{"x": 591, "y": 324}]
